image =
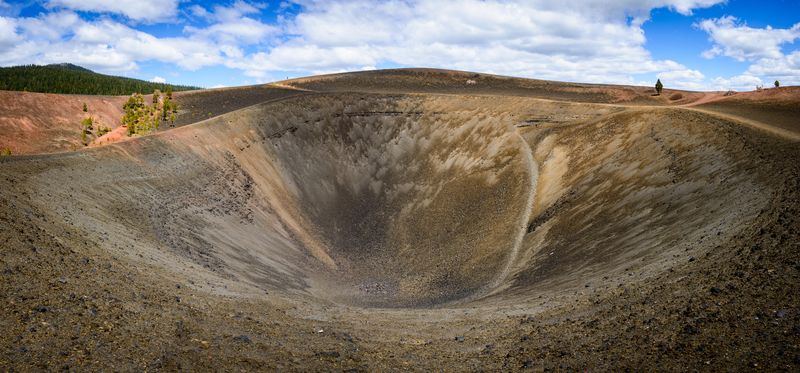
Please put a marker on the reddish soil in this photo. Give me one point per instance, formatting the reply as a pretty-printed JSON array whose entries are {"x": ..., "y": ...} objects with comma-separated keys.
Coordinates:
[
  {"x": 779, "y": 107},
  {"x": 34, "y": 123}
]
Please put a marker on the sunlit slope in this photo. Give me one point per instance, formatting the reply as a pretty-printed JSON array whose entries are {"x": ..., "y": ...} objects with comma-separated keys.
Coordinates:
[
  {"x": 631, "y": 195},
  {"x": 409, "y": 200}
]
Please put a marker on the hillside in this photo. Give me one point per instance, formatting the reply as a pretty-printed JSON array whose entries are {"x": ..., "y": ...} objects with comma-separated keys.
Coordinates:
[
  {"x": 420, "y": 80},
  {"x": 75, "y": 80}
]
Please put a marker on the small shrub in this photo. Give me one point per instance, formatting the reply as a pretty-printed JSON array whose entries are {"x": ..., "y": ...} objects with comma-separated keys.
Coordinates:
[
  {"x": 103, "y": 130},
  {"x": 730, "y": 92},
  {"x": 659, "y": 86},
  {"x": 777, "y": 84},
  {"x": 84, "y": 107},
  {"x": 676, "y": 96},
  {"x": 88, "y": 122},
  {"x": 7, "y": 151}
]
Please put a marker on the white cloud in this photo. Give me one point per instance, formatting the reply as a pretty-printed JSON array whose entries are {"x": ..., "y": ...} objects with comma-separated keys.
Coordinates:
[
  {"x": 158, "y": 79},
  {"x": 231, "y": 26},
  {"x": 544, "y": 39},
  {"x": 137, "y": 10},
  {"x": 683, "y": 79},
  {"x": 245, "y": 30},
  {"x": 201, "y": 12},
  {"x": 741, "y": 83},
  {"x": 711, "y": 53},
  {"x": 740, "y": 42},
  {"x": 597, "y": 41},
  {"x": 49, "y": 27},
  {"x": 103, "y": 45},
  {"x": 785, "y": 69},
  {"x": 8, "y": 35}
]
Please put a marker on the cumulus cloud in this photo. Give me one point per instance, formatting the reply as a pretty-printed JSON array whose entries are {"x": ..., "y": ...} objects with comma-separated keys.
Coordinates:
[
  {"x": 736, "y": 40},
  {"x": 683, "y": 79},
  {"x": 137, "y": 10},
  {"x": 8, "y": 35},
  {"x": 599, "y": 41},
  {"x": 231, "y": 26},
  {"x": 103, "y": 45},
  {"x": 785, "y": 69},
  {"x": 741, "y": 83},
  {"x": 158, "y": 79}
]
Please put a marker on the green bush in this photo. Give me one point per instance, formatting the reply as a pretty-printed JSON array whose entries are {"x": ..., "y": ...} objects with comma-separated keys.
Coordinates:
[
  {"x": 659, "y": 86},
  {"x": 88, "y": 122}
]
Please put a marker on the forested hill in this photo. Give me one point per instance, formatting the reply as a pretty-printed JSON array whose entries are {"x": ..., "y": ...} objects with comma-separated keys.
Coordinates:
[{"x": 71, "y": 79}]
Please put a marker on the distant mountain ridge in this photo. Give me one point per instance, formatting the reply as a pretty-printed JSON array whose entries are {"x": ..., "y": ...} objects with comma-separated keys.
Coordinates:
[
  {"x": 69, "y": 66},
  {"x": 67, "y": 78}
]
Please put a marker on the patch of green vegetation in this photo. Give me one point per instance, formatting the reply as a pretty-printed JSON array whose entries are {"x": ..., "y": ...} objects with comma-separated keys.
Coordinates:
[
  {"x": 103, "y": 130},
  {"x": 7, "y": 151},
  {"x": 88, "y": 122},
  {"x": 71, "y": 79},
  {"x": 139, "y": 117}
]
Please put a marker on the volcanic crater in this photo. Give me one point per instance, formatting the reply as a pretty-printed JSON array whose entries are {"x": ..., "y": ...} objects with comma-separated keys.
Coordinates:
[{"x": 345, "y": 208}]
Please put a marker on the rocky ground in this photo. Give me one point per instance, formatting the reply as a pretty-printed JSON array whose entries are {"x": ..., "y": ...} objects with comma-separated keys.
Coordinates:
[{"x": 74, "y": 299}]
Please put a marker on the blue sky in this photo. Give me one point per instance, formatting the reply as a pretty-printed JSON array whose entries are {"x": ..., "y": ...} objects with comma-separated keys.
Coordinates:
[{"x": 688, "y": 44}]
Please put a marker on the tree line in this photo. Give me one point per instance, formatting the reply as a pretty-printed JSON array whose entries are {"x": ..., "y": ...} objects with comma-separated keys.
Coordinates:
[{"x": 71, "y": 79}]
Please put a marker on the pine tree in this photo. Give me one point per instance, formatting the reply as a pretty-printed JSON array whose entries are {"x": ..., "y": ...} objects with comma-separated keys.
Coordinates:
[
  {"x": 169, "y": 93},
  {"x": 88, "y": 123},
  {"x": 84, "y": 107},
  {"x": 166, "y": 107},
  {"x": 131, "y": 129},
  {"x": 48, "y": 79},
  {"x": 659, "y": 86},
  {"x": 777, "y": 84}
]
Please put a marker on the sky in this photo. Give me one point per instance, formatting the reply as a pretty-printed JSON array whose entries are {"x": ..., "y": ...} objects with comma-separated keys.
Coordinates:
[{"x": 703, "y": 45}]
